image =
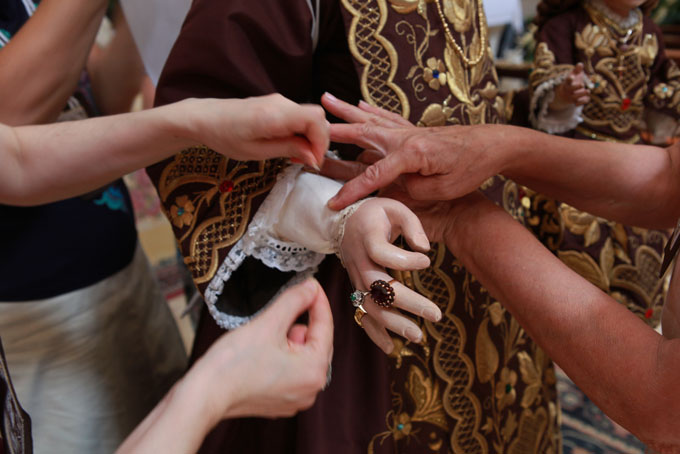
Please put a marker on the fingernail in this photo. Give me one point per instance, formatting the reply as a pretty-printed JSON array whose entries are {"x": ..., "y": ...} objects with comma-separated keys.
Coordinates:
[
  {"x": 316, "y": 167},
  {"x": 330, "y": 97},
  {"x": 433, "y": 315},
  {"x": 331, "y": 202},
  {"x": 423, "y": 242},
  {"x": 388, "y": 348},
  {"x": 414, "y": 335}
]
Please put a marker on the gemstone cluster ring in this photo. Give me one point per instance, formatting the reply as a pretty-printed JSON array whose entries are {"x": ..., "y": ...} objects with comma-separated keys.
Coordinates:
[{"x": 381, "y": 293}]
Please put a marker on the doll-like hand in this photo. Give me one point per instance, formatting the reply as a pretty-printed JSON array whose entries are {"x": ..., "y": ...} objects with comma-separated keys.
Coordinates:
[
  {"x": 367, "y": 250},
  {"x": 572, "y": 91}
]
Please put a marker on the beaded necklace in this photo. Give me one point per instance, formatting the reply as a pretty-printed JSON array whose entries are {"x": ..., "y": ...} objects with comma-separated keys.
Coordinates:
[{"x": 450, "y": 40}]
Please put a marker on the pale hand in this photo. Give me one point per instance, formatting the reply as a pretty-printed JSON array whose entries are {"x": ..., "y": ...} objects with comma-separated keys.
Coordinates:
[
  {"x": 367, "y": 250},
  {"x": 572, "y": 91},
  {"x": 272, "y": 366},
  {"x": 262, "y": 127}
]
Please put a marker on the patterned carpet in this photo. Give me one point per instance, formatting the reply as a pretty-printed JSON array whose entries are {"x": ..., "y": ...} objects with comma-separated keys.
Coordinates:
[{"x": 585, "y": 429}]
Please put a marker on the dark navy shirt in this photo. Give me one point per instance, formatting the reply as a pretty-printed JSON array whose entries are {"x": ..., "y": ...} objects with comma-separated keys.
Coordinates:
[{"x": 52, "y": 249}]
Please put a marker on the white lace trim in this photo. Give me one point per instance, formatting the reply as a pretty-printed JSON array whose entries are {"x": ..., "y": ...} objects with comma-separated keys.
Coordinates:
[
  {"x": 259, "y": 242},
  {"x": 339, "y": 228},
  {"x": 625, "y": 22},
  {"x": 555, "y": 122},
  {"x": 214, "y": 290}
]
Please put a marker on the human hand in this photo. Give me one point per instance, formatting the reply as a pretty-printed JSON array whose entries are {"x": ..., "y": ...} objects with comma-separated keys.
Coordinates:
[
  {"x": 262, "y": 127},
  {"x": 437, "y": 163},
  {"x": 366, "y": 251},
  {"x": 572, "y": 91},
  {"x": 272, "y": 366}
]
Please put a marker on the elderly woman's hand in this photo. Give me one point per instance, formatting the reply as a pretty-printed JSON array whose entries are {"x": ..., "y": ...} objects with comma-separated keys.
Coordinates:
[{"x": 437, "y": 163}]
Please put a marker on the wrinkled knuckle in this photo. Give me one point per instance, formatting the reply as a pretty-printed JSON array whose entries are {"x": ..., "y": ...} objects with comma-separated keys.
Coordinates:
[
  {"x": 372, "y": 172},
  {"x": 366, "y": 129}
]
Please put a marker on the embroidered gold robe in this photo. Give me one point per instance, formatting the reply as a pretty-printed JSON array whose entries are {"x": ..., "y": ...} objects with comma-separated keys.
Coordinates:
[
  {"x": 629, "y": 72},
  {"x": 477, "y": 384}
]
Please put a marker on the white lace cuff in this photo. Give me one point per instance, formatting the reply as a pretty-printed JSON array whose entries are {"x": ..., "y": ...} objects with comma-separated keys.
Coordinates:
[
  {"x": 555, "y": 122},
  {"x": 292, "y": 231}
]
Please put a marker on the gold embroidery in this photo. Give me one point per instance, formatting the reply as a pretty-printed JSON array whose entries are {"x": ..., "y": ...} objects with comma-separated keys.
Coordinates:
[
  {"x": 545, "y": 67},
  {"x": 531, "y": 428},
  {"x": 377, "y": 54},
  {"x": 443, "y": 363},
  {"x": 639, "y": 276},
  {"x": 205, "y": 171},
  {"x": 427, "y": 400},
  {"x": 623, "y": 71},
  {"x": 450, "y": 361}
]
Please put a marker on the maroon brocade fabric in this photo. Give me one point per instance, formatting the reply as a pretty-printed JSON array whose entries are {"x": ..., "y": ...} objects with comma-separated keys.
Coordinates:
[
  {"x": 15, "y": 433},
  {"x": 477, "y": 383}
]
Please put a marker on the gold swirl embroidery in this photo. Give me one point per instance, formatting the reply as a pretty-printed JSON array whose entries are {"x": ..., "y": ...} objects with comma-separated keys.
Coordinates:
[
  {"x": 206, "y": 171},
  {"x": 376, "y": 54},
  {"x": 450, "y": 361},
  {"x": 636, "y": 274},
  {"x": 441, "y": 360}
]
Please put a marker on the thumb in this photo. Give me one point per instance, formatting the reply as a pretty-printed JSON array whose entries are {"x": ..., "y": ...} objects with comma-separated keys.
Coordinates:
[
  {"x": 295, "y": 301},
  {"x": 578, "y": 69}
]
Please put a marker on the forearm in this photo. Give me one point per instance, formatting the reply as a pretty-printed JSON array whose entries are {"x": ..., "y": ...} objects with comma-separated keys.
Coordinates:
[
  {"x": 180, "y": 422},
  {"x": 632, "y": 184},
  {"x": 625, "y": 367},
  {"x": 116, "y": 71},
  {"x": 51, "y": 162},
  {"x": 44, "y": 60}
]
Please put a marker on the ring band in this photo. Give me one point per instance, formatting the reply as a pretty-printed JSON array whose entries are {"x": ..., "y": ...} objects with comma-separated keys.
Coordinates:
[{"x": 359, "y": 314}]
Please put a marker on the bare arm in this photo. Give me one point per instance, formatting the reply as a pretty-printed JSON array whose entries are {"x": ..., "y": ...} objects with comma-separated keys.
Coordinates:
[
  {"x": 270, "y": 367},
  {"x": 625, "y": 367},
  {"x": 633, "y": 184},
  {"x": 43, "y": 61},
  {"x": 50, "y": 162},
  {"x": 116, "y": 71}
]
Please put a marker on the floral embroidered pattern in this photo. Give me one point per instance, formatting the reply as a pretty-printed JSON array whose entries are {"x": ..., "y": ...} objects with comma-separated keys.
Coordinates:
[
  {"x": 182, "y": 212},
  {"x": 435, "y": 73}
]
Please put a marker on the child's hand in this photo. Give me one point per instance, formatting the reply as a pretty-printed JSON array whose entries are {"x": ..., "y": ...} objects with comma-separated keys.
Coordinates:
[{"x": 572, "y": 91}]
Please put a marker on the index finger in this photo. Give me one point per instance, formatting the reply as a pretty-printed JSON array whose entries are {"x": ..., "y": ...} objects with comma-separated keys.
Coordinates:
[
  {"x": 376, "y": 176},
  {"x": 317, "y": 131}
]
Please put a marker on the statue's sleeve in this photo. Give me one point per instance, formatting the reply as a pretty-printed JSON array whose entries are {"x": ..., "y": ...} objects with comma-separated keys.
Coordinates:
[
  {"x": 554, "y": 59},
  {"x": 664, "y": 84},
  {"x": 235, "y": 48}
]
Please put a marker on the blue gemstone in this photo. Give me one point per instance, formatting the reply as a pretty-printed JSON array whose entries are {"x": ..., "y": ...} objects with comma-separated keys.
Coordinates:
[
  {"x": 435, "y": 74},
  {"x": 180, "y": 211},
  {"x": 400, "y": 426},
  {"x": 665, "y": 89}
]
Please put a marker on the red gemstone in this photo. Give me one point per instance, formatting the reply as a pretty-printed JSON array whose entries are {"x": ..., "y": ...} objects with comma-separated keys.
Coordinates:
[
  {"x": 625, "y": 104},
  {"x": 649, "y": 313},
  {"x": 382, "y": 293},
  {"x": 226, "y": 186}
]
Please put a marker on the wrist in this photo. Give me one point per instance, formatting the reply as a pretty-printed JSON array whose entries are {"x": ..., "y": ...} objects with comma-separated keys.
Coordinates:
[
  {"x": 185, "y": 121},
  {"x": 193, "y": 395},
  {"x": 516, "y": 147},
  {"x": 464, "y": 215}
]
